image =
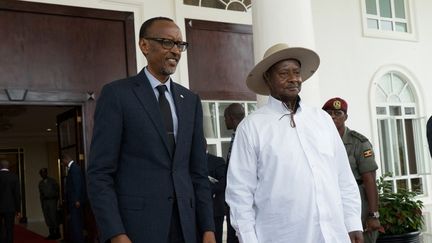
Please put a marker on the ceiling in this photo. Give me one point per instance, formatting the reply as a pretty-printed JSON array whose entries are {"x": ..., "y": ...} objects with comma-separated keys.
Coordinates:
[{"x": 29, "y": 120}]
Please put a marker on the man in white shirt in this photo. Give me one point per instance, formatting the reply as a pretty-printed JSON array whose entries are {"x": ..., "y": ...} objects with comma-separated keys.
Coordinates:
[{"x": 289, "y": 179}]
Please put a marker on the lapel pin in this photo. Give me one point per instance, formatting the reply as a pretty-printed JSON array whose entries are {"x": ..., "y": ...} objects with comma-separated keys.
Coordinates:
[{"x": 181, "y": 96}]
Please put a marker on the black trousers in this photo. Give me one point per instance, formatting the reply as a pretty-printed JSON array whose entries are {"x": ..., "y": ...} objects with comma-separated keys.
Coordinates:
[
  {"x": 219, "y": 228},
  {"x": 231, "y": 234},
  {"x": 175, "y": 233},
  {"x": 76, "y": 225},
  {"x": 7, "y": 221}
]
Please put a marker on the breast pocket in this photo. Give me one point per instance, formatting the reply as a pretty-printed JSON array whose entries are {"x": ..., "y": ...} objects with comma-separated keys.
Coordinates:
[{"x": 325, "y": 144}]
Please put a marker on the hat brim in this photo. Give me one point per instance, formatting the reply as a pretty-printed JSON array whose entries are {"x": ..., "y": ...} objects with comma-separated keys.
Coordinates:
[{"x": 309, "y": 64}]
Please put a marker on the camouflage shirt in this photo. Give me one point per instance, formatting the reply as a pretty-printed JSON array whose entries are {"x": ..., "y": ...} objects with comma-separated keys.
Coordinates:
[{"x": 360, "y": 153}]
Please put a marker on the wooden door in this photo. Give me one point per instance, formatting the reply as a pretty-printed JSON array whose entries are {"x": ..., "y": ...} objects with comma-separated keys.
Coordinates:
[
  {"x": 220, "y": 56},
  {"x": 70, "y": 141}
]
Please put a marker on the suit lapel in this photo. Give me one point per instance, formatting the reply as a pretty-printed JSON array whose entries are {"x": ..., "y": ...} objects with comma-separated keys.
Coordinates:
[
  {"x": 179, "y": 104},
  {"x": 146, "y": 96}
]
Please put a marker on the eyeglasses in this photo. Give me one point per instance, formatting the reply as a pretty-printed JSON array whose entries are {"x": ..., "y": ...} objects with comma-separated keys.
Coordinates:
[
  {"x": 336, "y": 113},
  {"x": 169, "y": 44}
]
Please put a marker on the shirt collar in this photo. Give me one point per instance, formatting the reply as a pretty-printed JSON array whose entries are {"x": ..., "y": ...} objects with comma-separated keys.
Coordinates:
[
  {"x": 277, "y": 105},
  {"x": 70, "y": 163},
  {"x": 345, "y": 135},
  {"x": 4, "y": 169},
  {"x": 154, "y": 82}
]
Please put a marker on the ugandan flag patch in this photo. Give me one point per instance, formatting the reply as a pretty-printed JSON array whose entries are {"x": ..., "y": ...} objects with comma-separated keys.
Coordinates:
[{"x": 368, "y": 153}]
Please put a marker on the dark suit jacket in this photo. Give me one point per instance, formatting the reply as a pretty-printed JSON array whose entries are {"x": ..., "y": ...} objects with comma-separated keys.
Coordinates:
[
  {"x": 132, "y": 177},
  {"x": 75, "y": 186},
  {"x": 429, "y": 134},
  {"x": 10, "y": 197},
  {"x": 217, "y": 168}
]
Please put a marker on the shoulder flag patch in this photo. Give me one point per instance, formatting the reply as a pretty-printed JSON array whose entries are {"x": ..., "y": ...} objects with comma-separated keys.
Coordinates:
[{"x": 367, "y": 153}]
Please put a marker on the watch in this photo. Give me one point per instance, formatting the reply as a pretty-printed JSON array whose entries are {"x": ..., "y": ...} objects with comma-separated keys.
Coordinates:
[{"x": 374, "y": 215}]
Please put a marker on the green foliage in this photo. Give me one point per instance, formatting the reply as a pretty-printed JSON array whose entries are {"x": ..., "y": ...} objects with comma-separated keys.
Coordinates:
[{"x": 399, "y": 211}]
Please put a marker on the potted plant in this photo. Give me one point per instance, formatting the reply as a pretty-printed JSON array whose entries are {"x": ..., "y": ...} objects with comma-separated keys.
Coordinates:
[{"x": 400, "y": 214}]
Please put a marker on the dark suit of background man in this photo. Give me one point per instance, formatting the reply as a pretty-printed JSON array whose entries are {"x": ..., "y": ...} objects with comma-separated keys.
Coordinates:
[
  {"x": 233, "y": 115},
  {"x": 429, "y": 134},
  {"x": 10, "y": 199},
  {"x": 49, "y": 195},
  {"x": 75, "y": 199},
  {"x": 147, "y": 173},
  {"x": 217, "y": 177}
]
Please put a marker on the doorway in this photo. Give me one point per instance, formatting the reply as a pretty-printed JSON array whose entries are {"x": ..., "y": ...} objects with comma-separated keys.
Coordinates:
[{"x": 29, "y": 139}]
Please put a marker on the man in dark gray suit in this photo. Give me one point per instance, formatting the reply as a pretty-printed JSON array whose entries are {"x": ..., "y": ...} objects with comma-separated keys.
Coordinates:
[
  {"x": 217, "y": 178},
  {"x": 147, "y": 173},
  {"x": 233, "y": 115},
  {"x": 75, "y": 198},
  {"x": 10, "y": 200},
  {"x": 429, "y": 134}
]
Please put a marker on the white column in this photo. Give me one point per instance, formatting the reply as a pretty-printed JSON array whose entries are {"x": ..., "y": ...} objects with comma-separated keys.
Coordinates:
[{"x": 288, "y": 21}]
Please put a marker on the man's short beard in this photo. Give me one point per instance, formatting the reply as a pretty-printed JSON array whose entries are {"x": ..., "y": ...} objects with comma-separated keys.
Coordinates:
[{"x": 167, "y": 71}]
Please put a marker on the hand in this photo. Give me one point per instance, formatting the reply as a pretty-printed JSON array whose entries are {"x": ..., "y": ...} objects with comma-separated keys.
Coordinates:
[
  {"x": 356, "y": 236},
  {"x": 121, "y": 238},
  {"x": 372, "y": 224},
  {"x": 77, "y": 204},
  {"x": 209, "y": 237}
]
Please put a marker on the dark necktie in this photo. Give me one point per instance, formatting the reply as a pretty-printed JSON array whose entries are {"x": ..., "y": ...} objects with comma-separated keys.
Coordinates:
[
  {"x": 230, "y": 147},
  {"x": 166, "y": 116}
]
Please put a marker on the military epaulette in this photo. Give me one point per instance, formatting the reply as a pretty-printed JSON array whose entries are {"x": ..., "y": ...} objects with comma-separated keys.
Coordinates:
[{"x": 359, "y": 136}]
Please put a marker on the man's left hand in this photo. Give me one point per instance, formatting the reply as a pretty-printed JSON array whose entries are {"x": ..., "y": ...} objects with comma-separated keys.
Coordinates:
[
  {"x": 209, "y": 237},
  {"x": 356, "y": 236},
  {"x": 372, "y": 224}
]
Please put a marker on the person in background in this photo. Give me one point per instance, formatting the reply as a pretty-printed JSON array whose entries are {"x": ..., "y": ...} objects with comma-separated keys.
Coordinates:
[
  {"x": 10, "y": 201},
  {"x": 217, "y": 178},
  {"x": 233, "y": 115},
  {"x": 49, "y": 194},
  {"x": 362, "y": 161},
  {"x": 429, "y": 134},
  {"x": 147, "y": 173},
  {"x": 289, "y": 178},
  {"x": 75, "y": 198}
]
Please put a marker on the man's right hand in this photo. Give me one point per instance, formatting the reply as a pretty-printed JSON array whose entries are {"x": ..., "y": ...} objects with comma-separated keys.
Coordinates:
[
  {"x": 209, "y": 237},
  {"x": 121, "y": 238}
]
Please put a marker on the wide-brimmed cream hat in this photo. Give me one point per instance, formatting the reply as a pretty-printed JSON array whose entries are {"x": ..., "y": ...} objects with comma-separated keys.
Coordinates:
[{"x": 309, "y": 61}]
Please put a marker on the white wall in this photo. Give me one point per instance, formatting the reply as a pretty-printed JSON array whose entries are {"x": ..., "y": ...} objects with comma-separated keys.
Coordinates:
[{"x": 349, "y": 60}]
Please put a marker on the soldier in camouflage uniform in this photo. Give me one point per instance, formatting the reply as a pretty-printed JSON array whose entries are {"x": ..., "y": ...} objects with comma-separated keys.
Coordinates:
[
  {"x": 363, "y": 166},
  {"x": 49, "y": 196}
]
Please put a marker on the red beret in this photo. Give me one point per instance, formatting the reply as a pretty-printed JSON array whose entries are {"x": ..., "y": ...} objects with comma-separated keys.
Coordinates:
[{"x": 336, "y": 104}]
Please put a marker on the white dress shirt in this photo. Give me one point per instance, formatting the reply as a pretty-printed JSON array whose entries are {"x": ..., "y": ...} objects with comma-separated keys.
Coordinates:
[
  {"x": 291, "y": 185},
  {"x": 154, "y": 82},
  {"x": 69, "y": 165}
]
